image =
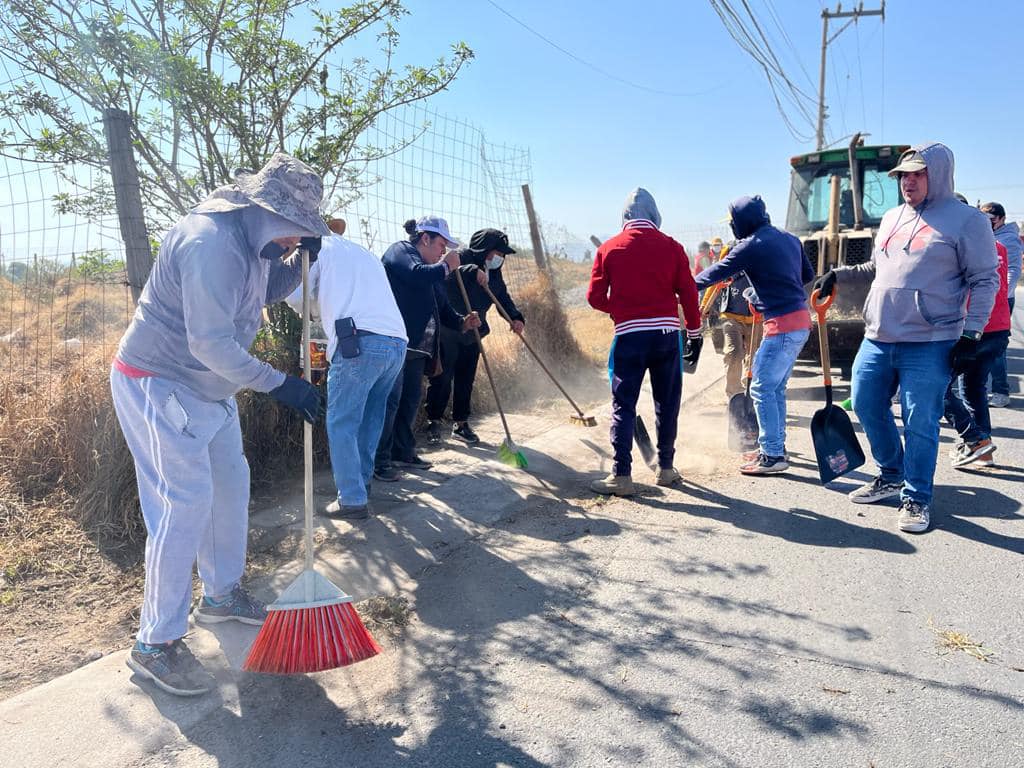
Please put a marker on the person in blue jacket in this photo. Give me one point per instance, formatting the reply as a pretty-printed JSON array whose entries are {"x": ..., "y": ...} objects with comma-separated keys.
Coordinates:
[
  {"x": 777, "y": 268},
  {"x": 416, "y": 269}
]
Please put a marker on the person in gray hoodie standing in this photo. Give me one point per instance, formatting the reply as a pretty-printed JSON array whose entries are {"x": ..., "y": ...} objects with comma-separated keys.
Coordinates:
[
  {"x": 930, "y": 253},
  {"x": 173, "y": 382},
  {"x": 1007, "y": 233}
]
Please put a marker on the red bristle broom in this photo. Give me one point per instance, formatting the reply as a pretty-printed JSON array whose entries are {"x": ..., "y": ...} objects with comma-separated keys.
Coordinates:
[{"x": 313, "y": 625}]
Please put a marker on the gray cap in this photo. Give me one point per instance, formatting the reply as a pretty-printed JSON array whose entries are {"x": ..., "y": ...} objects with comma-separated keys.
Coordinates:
[
  {"x": 911, "y": 161},
  {"x": 438, "y": 226},
  {"x": 285, "y": 186}
]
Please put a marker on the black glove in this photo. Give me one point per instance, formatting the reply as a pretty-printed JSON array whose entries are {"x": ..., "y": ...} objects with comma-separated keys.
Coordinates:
[
  {"x": 311, "y": 244},
  {"x": 691, "y": 352},
  {"x": 469, "y": 270},
  {"x": 302, "y": 396},
  {"x": 825, "y": 284},
  {"x": 965, "y": 352}
]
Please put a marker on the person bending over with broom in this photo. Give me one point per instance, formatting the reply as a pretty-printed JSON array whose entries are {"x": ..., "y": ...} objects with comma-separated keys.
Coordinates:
[
  {"x": 416, "y": 269},
  {"x": 173, "y": 382},
  {"x": 640, "y": 277},
  {"x": 460, "y": 352},
  {"x": 777, "y": 268}
]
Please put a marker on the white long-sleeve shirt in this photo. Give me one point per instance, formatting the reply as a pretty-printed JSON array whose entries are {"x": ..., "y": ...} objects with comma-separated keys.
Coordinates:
[{"x": 349, "y": 281}]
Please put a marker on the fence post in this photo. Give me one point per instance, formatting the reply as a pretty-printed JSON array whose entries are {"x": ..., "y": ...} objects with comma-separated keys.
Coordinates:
[
  {"x": 538, "y": 247},
  {"x": 125, "y": 174}
]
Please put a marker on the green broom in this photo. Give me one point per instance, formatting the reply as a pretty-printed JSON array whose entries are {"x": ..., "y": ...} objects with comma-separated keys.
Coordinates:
[{"x": 508, "y": 453}]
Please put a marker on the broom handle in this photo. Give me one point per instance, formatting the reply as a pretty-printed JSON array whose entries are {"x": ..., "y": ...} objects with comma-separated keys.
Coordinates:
[
  {"x": 307, "y": 428},
  {"x": 483, "y": 355},
  {"x": 504, "y": 314}
]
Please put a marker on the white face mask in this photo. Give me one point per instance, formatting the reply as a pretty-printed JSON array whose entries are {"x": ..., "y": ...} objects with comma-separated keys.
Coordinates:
[
  {"x": 716, "y": 249},
  {"x": 495, "y": 262}
]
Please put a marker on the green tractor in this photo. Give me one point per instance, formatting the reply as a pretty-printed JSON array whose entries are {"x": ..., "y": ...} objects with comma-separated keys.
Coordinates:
[{"x": 836, "y": 202}]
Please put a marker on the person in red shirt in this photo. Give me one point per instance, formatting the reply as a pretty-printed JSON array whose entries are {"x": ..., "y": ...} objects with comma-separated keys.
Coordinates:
[
  {"x": 966, "y": 407},
  {"x": 640, "y": 277}
]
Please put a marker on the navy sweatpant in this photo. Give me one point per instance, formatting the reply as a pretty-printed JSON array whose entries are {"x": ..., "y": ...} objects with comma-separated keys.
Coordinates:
[{"x": 631, "y": 356}]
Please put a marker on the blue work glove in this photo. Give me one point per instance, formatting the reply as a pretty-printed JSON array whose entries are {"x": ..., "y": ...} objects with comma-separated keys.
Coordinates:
[
  {"x": 302, "y": 396},
  {"x": 311, "y": 244}
]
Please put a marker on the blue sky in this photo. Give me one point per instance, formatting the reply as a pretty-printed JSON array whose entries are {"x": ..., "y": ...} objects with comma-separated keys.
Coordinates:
[{"x": 943, "y": 71}]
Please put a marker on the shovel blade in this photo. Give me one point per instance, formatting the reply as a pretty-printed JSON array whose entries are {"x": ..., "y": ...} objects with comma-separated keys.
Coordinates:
[
  {"x": 835, "y": 443},
  {"x": 742, "y": 435},
  {"x": 643, "y": 441}
]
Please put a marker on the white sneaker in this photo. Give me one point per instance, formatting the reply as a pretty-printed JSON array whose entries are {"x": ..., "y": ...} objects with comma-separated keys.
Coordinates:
[
  {"x": 998, "y": 400},
  {"x": 914, "y": 517},
  {"x": 876, "y": 490}
]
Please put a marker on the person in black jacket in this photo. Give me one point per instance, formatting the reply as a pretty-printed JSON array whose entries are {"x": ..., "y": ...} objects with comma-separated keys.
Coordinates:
[
  {"x": 480, "y": 265},
  {"x": 416, "y": 269}
]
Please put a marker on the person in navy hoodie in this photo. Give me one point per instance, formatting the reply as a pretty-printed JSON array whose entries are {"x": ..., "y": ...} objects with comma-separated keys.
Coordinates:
[
  {"x": 777, "y": 268},
  {"x": 640, "y": 277}
]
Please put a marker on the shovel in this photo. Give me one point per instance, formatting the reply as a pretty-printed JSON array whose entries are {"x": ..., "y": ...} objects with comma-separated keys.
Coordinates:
[
  {"x": 835, "y": 443},
  {"x": 742, "y": 419}
]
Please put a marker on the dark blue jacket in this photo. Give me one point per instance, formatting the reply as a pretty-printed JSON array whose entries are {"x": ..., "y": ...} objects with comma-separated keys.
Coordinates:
[
  {"x": 773, "y": 259},
  {"x": 479, "y": 301},
  {"x": 419, "y": 292}
]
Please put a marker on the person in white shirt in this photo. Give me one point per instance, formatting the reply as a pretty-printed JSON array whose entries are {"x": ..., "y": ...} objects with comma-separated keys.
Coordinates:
[{"x": 366, "y": 343}]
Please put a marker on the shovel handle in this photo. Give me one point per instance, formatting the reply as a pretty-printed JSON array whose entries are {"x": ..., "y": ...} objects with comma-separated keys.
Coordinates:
[{"x": 821, "y": 307}]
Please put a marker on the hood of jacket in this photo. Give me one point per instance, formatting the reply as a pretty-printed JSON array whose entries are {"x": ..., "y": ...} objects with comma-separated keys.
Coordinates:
[
  {"x": 939, "y": 160},
  {"x": 640, "y": 205},
  {"x": 747, "y": 215}
]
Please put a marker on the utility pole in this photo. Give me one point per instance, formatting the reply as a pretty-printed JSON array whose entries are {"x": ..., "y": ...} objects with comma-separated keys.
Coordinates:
[{"x": 838, "y": 13}]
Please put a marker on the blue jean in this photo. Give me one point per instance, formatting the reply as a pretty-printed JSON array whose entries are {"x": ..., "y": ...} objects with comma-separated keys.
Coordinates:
[
  {"x": 1000, "y": 383},
  {"x": 922, "y": 372},
  {"x": 966, "y": 406},
  {"x": 357, "y": 396},
  {"x": 773, "y": 364}
]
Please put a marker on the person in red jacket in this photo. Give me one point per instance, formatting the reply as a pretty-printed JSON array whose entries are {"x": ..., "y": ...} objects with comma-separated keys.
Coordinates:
[
  {"x": 966, "y": 407},
  {"x": 640, "y": 277}
]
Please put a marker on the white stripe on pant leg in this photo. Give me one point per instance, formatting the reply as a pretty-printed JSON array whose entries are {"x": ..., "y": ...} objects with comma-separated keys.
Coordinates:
[{"x": 162, "y": 492}]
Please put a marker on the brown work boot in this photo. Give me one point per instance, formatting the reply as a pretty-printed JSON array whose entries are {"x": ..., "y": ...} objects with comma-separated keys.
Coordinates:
[
  {"x": 668, "y": 476},
  {"x": 613, "y": 485}
]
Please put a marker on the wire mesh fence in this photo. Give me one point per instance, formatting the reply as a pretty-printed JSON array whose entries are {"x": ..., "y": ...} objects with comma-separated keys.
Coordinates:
[{"x": 64, "y": 297}]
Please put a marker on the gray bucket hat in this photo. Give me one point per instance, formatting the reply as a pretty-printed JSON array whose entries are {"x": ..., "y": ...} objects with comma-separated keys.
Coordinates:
[{"x": 285, "y": 186}]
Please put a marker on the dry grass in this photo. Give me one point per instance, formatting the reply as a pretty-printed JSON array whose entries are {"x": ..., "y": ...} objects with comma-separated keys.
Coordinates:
[{"x": 951, "y": 640}]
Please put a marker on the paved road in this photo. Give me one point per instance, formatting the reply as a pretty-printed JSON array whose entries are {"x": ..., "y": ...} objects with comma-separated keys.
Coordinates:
[{"x": 732, "y": 622}]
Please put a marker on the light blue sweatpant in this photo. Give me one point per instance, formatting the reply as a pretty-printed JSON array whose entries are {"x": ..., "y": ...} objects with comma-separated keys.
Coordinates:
[{"x": 194, "y": 491}]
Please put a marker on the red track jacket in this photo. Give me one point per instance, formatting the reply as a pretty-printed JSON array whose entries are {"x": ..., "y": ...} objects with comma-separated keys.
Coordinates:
[{"x": 640, "y": 277}]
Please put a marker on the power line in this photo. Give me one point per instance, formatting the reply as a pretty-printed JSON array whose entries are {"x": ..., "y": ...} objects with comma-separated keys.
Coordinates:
[{"x": 591, "y": 65}]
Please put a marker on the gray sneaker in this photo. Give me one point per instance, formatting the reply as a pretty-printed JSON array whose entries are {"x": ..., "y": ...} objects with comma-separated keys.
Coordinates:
[
  {"x": 171, "y": 667},
  {"x": 914, "y": 517},
  {"x": 876, "y": 490},
  {"x": 998, "y": 400},
  {"x": 239, "y": 606},
  {"x": 340, "y": 511}
]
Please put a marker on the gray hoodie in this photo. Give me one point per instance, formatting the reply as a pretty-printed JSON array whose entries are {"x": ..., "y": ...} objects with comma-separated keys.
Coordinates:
[
  {"x": 926, "y": 261},
  {"x": 1009, "y": 235},
  {"x": 640, "y": 205},
  {"x": 202, "y": 305}
]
